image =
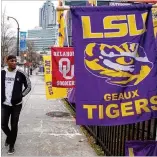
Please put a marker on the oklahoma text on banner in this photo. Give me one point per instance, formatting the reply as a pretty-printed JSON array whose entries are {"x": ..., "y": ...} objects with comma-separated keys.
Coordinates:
[
  {"x": 141, "y": 148},
  {"x": 51, "y": 92},
  {"x": 115, "y": 64},
  {"x": 63, "y": 67}
]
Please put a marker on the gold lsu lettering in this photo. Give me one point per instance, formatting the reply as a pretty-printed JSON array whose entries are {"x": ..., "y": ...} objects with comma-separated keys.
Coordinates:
[
  {"x": 124, "y": 109},
  {"x": 121, "y": 96},
  {"x": 128, "y": 27}
]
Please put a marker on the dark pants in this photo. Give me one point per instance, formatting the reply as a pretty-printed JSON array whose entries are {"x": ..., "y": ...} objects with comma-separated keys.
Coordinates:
[{"x": 14, "y": 112}]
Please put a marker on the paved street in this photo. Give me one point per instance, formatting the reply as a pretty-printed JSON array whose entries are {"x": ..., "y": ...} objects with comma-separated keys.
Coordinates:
[{"x": 43, "y": 135}]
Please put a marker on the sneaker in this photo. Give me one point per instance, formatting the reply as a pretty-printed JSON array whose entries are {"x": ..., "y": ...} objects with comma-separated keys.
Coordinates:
[
  {"x": 11, "y": 150},
  {"x": 6, "y": 142}
]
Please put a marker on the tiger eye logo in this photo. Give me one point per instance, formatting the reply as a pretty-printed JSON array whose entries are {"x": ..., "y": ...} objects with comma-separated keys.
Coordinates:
[{"x": 124, "y": 65}]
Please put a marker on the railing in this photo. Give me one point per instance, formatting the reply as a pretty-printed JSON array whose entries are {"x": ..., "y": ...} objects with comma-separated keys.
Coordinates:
[{"x": 112, "y": 138}]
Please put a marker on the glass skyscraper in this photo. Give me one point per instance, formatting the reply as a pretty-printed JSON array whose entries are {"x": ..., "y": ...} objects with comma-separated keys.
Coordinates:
[
  {"x": 47, "y": 15},
  {"x": 45, "y": 35}
]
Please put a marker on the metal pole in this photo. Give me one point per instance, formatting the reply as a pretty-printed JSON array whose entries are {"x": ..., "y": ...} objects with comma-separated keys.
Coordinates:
[
  {"x": 67, "y": 31},
  {"x": 62, "y": 8},
  {"x": 18, "y": 30}
]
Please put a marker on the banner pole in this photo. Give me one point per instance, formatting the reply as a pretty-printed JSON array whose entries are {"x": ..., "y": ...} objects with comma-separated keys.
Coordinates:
[
  {"x": 62, "y": 8},
  {"x": 67, "y": 33}
]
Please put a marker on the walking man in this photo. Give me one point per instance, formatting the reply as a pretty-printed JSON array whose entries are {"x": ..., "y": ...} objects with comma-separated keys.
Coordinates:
[{"x": 12, "y": 92}]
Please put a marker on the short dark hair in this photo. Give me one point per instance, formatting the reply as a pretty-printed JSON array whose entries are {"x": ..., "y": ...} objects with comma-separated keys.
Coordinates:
[{"x": 11, "y": 57}]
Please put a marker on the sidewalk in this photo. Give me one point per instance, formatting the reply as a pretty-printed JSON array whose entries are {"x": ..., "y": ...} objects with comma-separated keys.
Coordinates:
[{"x": 43, "y": 135}]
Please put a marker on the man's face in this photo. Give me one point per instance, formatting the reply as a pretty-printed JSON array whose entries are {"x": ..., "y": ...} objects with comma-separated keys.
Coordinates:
[{"x": 12, "y": 63}]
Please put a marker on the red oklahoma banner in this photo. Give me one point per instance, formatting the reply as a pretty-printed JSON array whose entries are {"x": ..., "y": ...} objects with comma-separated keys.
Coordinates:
[{"x": 63, "y": 67}]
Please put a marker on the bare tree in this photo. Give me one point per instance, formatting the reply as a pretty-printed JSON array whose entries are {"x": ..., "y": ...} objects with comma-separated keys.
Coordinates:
[
  {"x": 7, "y": 38},
  {"x": 32, "y": 55},
  {"x": 31, "y": 50}
]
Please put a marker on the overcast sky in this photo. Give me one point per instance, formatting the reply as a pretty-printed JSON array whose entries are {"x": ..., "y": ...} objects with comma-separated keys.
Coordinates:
[{"x": 26, "y": 12}]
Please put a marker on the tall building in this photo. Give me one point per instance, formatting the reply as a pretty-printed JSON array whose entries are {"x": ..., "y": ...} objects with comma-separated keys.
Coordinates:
[
  {"x": 44, "y": 36},
  {"x": 42, "y": 39},
  {"x": 47, "y": 15}
]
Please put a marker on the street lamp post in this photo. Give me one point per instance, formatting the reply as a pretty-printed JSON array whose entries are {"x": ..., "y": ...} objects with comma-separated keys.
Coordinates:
[
  {"x": 18, "y": 29},
  {"x": 25, "y": 55}
]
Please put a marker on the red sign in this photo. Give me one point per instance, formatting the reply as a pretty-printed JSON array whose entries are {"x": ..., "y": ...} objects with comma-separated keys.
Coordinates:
[
  {"x": 63, "y": 67},
  {"x": 28, "y": 64}
]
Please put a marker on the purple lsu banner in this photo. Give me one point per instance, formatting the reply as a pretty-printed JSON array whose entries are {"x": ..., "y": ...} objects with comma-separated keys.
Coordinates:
[
  {"x": 71, "y": 96},
  {"x": 115, "y": 64},
  {"x": 141, "y": 148}
]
